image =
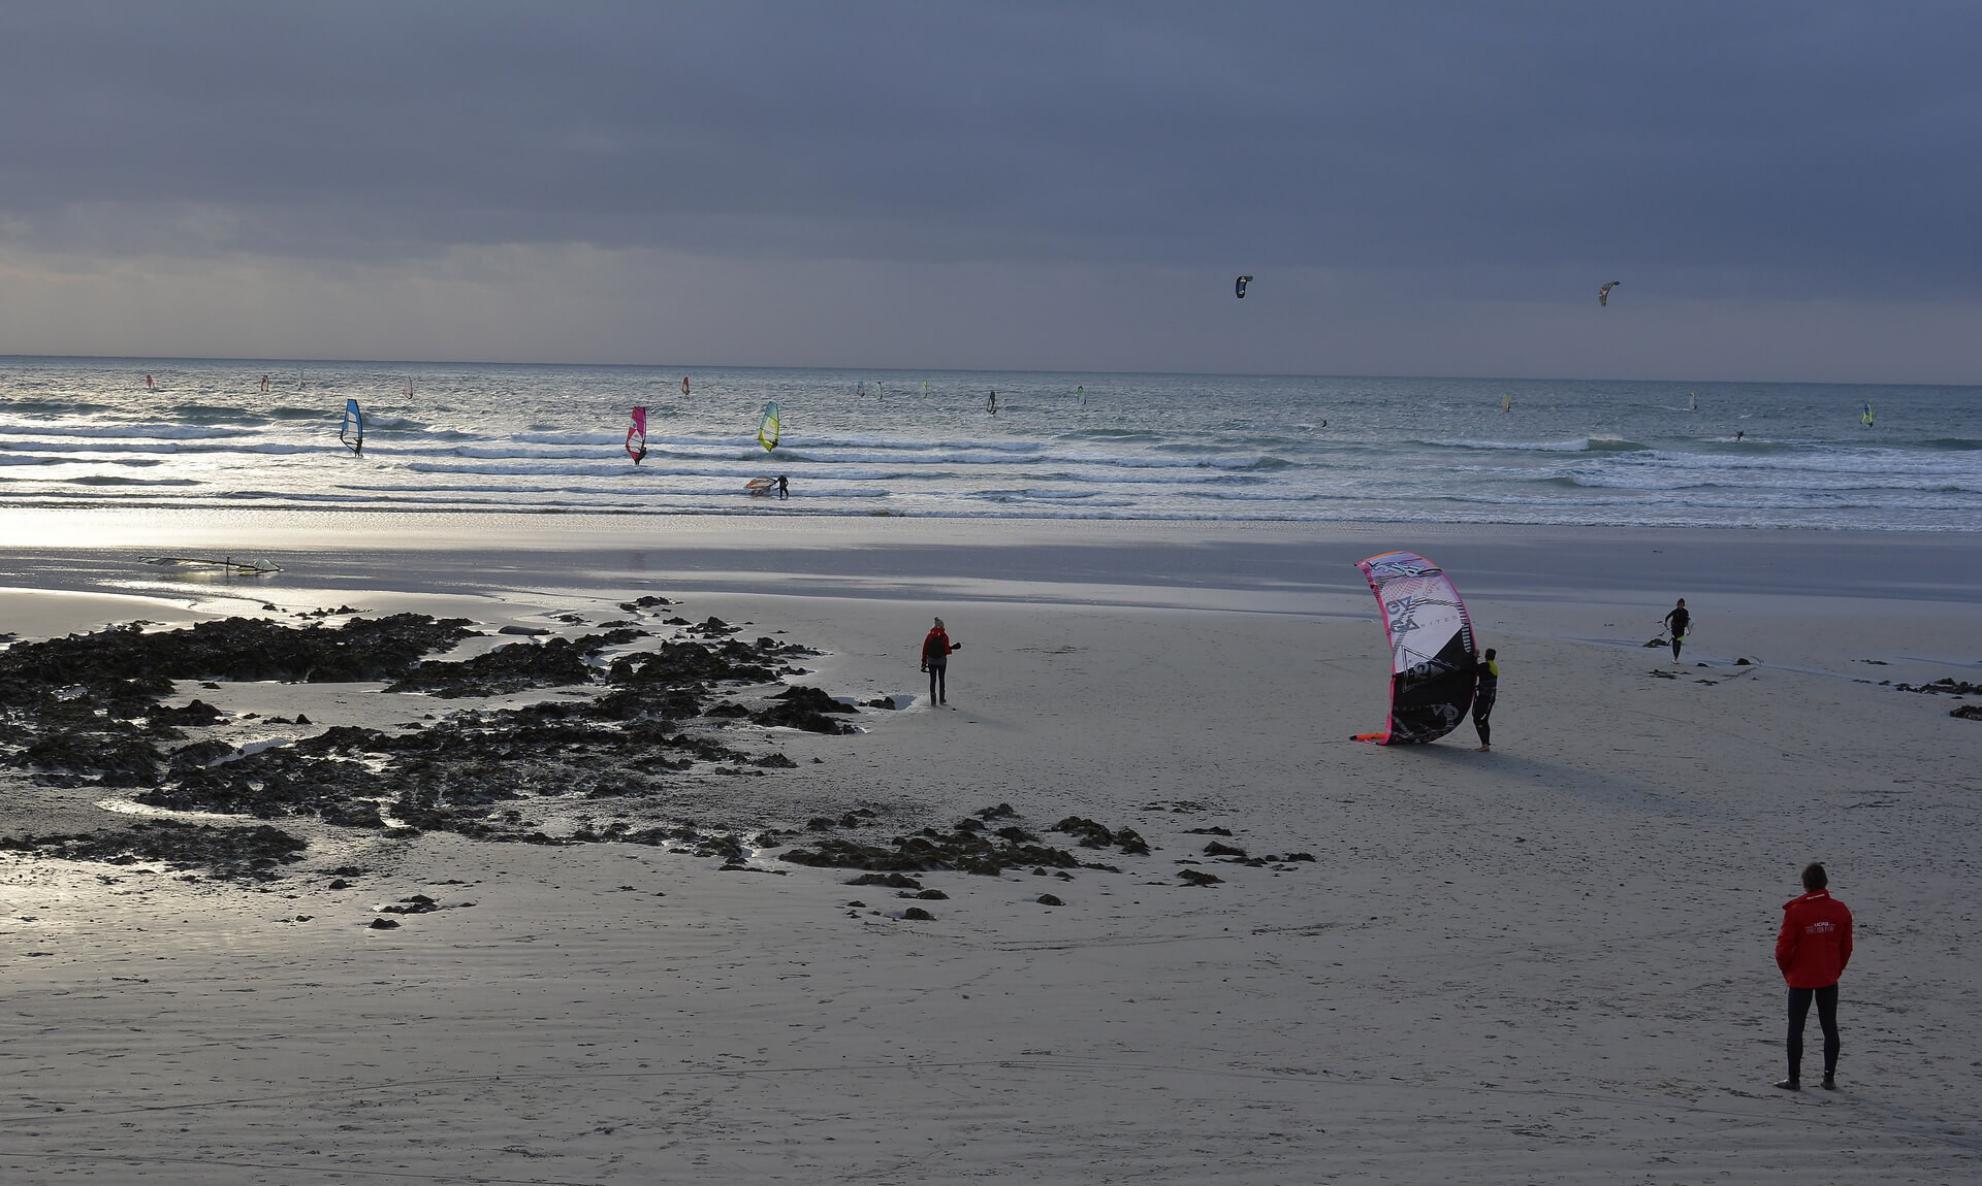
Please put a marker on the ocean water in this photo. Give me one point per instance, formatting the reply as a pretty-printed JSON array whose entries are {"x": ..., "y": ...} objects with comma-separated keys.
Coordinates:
[{"x": 87, "y": 433}]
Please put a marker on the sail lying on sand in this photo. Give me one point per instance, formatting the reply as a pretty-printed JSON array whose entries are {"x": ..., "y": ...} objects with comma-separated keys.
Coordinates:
[
  {"x": 353, "y": 432},
  {"x": 1431, "y": 648},
  {"x": 636, "y": 435},
  {"x": 769, "y": 425}
]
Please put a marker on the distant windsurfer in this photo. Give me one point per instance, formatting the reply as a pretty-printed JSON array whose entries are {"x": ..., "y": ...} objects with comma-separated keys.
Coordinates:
[
  {"x": 936, "y": 648},
  {"x": 684, "y": 384},
  {"x": 1486, "y": 685},
  {"x": 991, "y": 405},
  {"x": 784, "y": 486},
  {"x": 264, "y": 384},
  {"x": 1738, "y": 434},
  {"x": 1678, "y": 621},
  {"x": 148, "y": 383}
]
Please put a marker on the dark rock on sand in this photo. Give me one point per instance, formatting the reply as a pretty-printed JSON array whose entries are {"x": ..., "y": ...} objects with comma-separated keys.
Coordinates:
[
  {"x": 918, "y": 914},
  {"x": 525, "y": 631},
  {"x": 417, "y": 904},
  {"x": 890, "y": 880},
  {"x": 648, "y": 602},
  {"x": 803, "y": 707},
  {"x": 1090, "y": 834},
  {"x": 1967, "y": 712},
  {"x": 385, "y": 924},
  {"x": 1049, "y": 900},
  {"x": 1215, "y": 849},
  {"x": 1198, "y": 877},
  {"x": 242, "y": 853}
]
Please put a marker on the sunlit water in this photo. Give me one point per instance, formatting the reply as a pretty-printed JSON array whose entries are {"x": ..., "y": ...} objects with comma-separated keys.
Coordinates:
[{"x": 88, "y": 433}]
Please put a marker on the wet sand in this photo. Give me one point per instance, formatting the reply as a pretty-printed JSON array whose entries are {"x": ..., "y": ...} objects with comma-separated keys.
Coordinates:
[{"x": 1550, "y": 963}]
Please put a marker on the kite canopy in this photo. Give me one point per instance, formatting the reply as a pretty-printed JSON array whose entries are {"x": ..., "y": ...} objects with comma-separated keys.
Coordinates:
[
  {"x": 636, "y": 435},
  {"x": 1239, "y": 286},
  {"x": 353, "y": 432},
  {"x": 768, "y": 427},
  {"x": 1431, "y": 648}
]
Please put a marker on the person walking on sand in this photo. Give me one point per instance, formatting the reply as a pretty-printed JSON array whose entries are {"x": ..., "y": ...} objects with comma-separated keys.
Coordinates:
[
  {"x": 1678, "y": 621},
  {"x": 1812, "y": 950},
  {"x": 936, "y": 648},
  {"x": 784, "y": 486},
  {"x": 1486, "y": 677}
]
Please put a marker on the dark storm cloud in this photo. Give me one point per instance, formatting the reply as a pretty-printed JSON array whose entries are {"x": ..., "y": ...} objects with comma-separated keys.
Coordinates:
[{"x": 1499, "y": 147}]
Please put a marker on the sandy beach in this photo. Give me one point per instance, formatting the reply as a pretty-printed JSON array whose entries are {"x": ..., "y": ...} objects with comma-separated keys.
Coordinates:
[{"x": 1548, "y": 963}]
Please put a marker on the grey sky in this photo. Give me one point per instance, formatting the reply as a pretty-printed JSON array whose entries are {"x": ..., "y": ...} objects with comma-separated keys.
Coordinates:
[{"x": 1785, "y": 190}]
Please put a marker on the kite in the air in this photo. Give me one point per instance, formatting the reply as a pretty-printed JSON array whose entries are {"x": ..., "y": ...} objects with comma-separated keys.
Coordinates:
[
  {"x": 1239, "y": 286},
  {"x": 1603, "y": 294},
  {"x": 1431, "y": 648}
]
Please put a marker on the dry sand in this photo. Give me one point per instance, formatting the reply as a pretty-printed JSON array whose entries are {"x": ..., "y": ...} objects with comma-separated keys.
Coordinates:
[{"x": 1550, "y": 963}]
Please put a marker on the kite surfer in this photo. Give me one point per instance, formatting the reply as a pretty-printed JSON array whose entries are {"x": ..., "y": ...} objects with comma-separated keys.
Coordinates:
[
  {"x": 1738, "y": 434},
  {"x": 1679, "y": 622},
  {"x": 784, "y": 487},
  {"x": 1812, "y": 950},
  {"x": 991, "y": 405},
  {"x": 1486, "y": 677},
  {"x": 936, "y": 648}
]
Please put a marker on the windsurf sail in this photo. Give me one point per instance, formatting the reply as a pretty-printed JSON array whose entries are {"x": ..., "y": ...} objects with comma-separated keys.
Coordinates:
[
  {"x": 636, "y": 435},
  {"x": 760, "y": 486},
  {"x": 1692, "y": 401},
  {"x": 1865, "y": 417},
  {"x": 769, "y": 425},
  {"x": 1506, "y": 403},
  {"x": 1239, "y": 286},
  {"x": 1431, "y": 648},
  {"x": 353, "y": 432}
]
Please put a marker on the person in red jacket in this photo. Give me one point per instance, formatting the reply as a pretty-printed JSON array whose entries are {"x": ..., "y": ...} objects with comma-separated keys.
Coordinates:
[
  {"x": 936, "y": 648},
  {"x": 1812, "y": 950}
]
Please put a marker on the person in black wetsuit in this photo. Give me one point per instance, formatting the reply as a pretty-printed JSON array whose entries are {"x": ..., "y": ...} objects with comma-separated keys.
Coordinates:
[
  {"x": 784, "y": 486},
  {"x": 1678, "y": 621},
  {"x": 1486, "y": 676}
]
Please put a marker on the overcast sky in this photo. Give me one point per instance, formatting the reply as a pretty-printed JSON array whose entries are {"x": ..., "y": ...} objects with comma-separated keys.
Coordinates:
[{"x": 1784, "y": 190}]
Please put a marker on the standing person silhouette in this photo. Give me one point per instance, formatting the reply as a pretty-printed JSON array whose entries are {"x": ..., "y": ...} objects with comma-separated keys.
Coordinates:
[
  {"x": 1679, "y": 622},
  {"x": 1812, "y": 950},
  {"x": 784, "y": 486},
  {"x": 1486, "y": 677},
  {"x": 936, "y": 648}
]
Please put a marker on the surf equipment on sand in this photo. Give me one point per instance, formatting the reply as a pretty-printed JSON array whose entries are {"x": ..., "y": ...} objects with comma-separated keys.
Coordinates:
[
  {"x": 636, "y": 435},
  {"x": 353, "y": 432},
  {"x": 1603, "y": 294},
  {"x": 1865, "y": 417},
  {"x": 760, "y": 486},
  {"x": 769, "y": 425},
  {"x": 1239, "y": 286},
  {"x": 1431, "y": 648}
]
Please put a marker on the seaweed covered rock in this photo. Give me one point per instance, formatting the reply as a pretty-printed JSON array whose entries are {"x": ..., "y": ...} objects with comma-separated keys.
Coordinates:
[
  {"x": 244, "y": 853},
  {"x": 807, "y": 708}
]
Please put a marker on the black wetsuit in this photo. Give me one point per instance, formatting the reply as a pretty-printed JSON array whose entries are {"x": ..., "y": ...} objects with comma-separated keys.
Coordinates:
[
  {"x": 1677, "y": 621},
  {"x": 1799, "y": 1011},
  {"x": 1487, "y": 673},
  {"x": 784, "y": 487}
]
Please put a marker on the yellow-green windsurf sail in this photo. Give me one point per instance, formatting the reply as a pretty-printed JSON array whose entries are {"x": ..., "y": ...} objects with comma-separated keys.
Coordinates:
[{"x": 768, "y": 426}]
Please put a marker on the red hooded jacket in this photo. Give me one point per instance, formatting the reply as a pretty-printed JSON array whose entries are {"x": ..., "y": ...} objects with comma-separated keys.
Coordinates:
[
  {"x": 936, "y": 646},
  {"x": 1815, "y": 943}
]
